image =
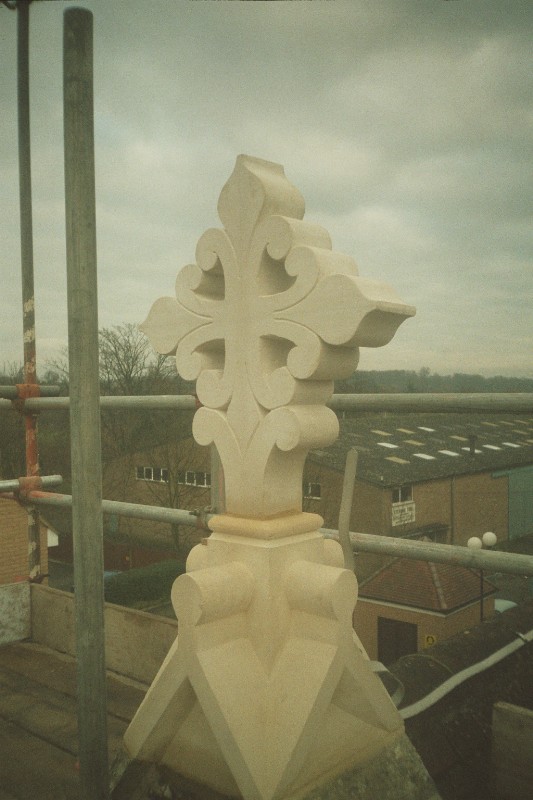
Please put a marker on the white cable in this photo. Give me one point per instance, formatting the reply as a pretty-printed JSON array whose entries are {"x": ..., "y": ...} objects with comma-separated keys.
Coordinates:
[{"x": 474, "y": 669}]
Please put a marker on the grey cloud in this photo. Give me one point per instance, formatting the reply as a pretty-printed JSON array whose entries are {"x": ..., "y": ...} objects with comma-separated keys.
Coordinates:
[{"x": 407, "y": 127}]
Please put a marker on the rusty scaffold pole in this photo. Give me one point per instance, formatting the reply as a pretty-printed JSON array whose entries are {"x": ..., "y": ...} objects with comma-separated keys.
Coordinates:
[
  {"x": 30, "y": 387},
  {"x": 87, "y": 524}
]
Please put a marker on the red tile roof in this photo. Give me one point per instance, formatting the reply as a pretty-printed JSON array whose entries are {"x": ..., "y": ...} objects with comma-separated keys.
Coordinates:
[{"x": 434, "y": 587}]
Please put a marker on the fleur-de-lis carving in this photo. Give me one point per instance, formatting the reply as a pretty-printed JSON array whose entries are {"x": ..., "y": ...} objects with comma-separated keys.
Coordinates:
[{"x": 264, "y": 321}]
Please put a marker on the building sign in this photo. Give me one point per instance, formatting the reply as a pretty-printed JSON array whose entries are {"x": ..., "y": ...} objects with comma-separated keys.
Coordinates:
[
  {"x": 430, "y": 640},
  {"x": 402, "y": 513}
]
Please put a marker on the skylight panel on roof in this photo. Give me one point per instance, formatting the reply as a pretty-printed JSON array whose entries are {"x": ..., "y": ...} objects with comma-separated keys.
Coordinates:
[
  {"x": 491, "y": 446},
  {"x": 459, "y": 438},
  {"x": 425, "y": 456},
  {"x": 510, "y": 444},
  {"x": 388, "y": 444},
  {"x": 413, "y": 441},
  {"x": 448, "y": 452},
  {"x": 468, "y": 450},
  {"x": 404, "y": 430},
  {"x": 490, "y": 424},
  {"x": 505, "y": 422},
  {"x": 382, "y": 433},
  {"x": 429, "y": 430},
  {"x": 530, "y": 441},
  {"x": 396, "y": 459}
]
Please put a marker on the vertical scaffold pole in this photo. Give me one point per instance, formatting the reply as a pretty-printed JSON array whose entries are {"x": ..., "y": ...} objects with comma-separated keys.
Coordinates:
[
  {"x": 84, "y": 401},
  {"x": 28, "y": 293}
]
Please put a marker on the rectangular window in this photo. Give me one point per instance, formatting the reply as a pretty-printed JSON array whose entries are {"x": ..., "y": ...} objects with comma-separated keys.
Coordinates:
[
  {"x": 402, "y": 494},
  {"x": 312, "y": 491},
  {"x": 157, "y": 474},
  {"x": 190, "y": 478},
  {"x": 199, "y": 478}
]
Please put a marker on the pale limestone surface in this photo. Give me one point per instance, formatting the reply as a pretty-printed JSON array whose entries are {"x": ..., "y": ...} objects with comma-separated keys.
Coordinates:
[
  {"x": 14, "y": 612},
  {"x": 266, "y": 692},
  {"x": 264, "y": 322}
]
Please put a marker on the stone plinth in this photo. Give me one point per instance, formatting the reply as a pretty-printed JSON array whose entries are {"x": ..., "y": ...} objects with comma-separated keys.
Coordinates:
[{"x": 266, "y": 690}]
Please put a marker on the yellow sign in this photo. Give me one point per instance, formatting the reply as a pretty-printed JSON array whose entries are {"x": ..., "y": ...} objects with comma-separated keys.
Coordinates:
[{"x": 429, "y": 640}]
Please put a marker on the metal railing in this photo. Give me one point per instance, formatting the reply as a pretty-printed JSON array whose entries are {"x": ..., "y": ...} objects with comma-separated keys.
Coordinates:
[
  {"x": 488, "y": 560},
  {"x": 492, "y": 402}
]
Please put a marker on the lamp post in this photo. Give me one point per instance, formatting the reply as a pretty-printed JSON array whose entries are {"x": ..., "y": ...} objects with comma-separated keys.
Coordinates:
[{"x": 488, "y": 539}]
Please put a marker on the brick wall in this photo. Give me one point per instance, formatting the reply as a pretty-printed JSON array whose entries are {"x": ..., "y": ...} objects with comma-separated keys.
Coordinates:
[
  {"x": 437, "y": 626},
  {"x": 481, "y": 504},
  {"x": 466, "y": 505},
  {"x": 14, "y": 543}
]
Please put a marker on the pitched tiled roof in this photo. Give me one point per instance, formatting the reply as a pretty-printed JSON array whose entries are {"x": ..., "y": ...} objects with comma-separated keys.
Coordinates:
[
  {"x": 395, "y": 449},
  {"x": 434, "y": 587}
]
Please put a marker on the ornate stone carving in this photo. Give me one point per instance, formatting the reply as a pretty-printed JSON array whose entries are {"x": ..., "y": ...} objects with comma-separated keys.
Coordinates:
[
  {"x": 264, "y": 322},
  {"x": 267, "y": 691}
]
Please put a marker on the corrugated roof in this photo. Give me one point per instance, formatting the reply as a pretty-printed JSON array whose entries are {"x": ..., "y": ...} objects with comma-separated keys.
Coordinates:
[
  {"x": 407, "y": 448},
  {"x": 433, "y": 587}
]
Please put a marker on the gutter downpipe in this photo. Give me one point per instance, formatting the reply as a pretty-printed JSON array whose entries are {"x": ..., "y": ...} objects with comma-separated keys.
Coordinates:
[{"x": 87, "y": 522}]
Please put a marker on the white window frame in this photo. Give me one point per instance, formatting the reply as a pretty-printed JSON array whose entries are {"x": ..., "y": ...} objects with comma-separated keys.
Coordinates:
[
  {"x": 402, "y": 494},
  {"x": 310, "y": 490},
  {"x": 147, "y": 474}
]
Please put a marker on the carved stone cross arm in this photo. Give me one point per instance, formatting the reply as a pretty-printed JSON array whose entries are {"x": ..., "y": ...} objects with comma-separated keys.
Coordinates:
[{"x": 264, "y": 321}]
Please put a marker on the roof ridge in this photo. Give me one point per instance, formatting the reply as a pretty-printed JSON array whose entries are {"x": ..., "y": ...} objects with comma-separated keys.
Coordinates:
[
  {"x": 438, "y": 585},
  {"x": 376, "y": 572}
]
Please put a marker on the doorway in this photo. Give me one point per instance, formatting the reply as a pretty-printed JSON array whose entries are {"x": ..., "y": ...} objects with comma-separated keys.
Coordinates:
[{"x": 395, "y": 639}]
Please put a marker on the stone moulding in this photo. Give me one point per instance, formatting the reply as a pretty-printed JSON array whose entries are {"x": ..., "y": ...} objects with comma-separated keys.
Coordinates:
[{"x": 267, "y": 691}]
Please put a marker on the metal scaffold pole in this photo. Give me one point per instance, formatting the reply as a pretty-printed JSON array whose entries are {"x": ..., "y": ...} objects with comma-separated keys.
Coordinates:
[
  {"x": 30, "y": 387},
  {"x": 87, "y": 521}
]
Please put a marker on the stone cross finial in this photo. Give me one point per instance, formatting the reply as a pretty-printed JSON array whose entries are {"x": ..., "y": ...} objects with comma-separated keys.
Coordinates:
[
  {"x": 266, "y": 692},
  {"x": 264, "y": 322}
]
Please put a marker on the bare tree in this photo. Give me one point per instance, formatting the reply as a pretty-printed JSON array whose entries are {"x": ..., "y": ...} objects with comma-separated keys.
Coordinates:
[
  {"x": 128, "y": 365},
  {"x": 12, "y": 453}
]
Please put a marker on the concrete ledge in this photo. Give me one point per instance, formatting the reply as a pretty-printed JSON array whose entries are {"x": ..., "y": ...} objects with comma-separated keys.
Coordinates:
[
  {"x": 136, "y": 642},
  {"x": 512, "y": 747},
  {"x": 14, "y": 612},
  {"x": 395, "y": 773}
]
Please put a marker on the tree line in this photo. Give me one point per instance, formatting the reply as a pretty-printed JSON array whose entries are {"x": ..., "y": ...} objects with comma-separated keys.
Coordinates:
[
  {"x": 408, "y": 381},
  {"x": 128, "y": 366}
]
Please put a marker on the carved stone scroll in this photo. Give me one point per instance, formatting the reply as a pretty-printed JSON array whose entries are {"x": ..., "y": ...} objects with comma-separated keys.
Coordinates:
[{"x": 264, "y": 321}]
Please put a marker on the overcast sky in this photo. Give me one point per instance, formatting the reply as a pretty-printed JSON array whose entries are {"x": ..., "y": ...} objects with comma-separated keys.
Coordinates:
[{"x": 407, "y": 126}]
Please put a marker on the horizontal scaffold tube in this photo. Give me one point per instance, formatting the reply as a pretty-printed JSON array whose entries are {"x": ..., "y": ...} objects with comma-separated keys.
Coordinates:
[
  {"x": 175, "y": 516},
  {"x": 401, "y": 403},
  {"x": 489, "y": 560},
  {"x": 12, "y": 392},
  {"x": 44, "y": 481},
  {"x": 437, "y": 403},
  {"x": 180, "y": 402}
]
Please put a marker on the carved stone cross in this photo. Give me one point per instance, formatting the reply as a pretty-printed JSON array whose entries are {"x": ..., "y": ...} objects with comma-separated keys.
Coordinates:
[
  {"x": 264, "y": 322},
  {"x": 266, "y": 691}
]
